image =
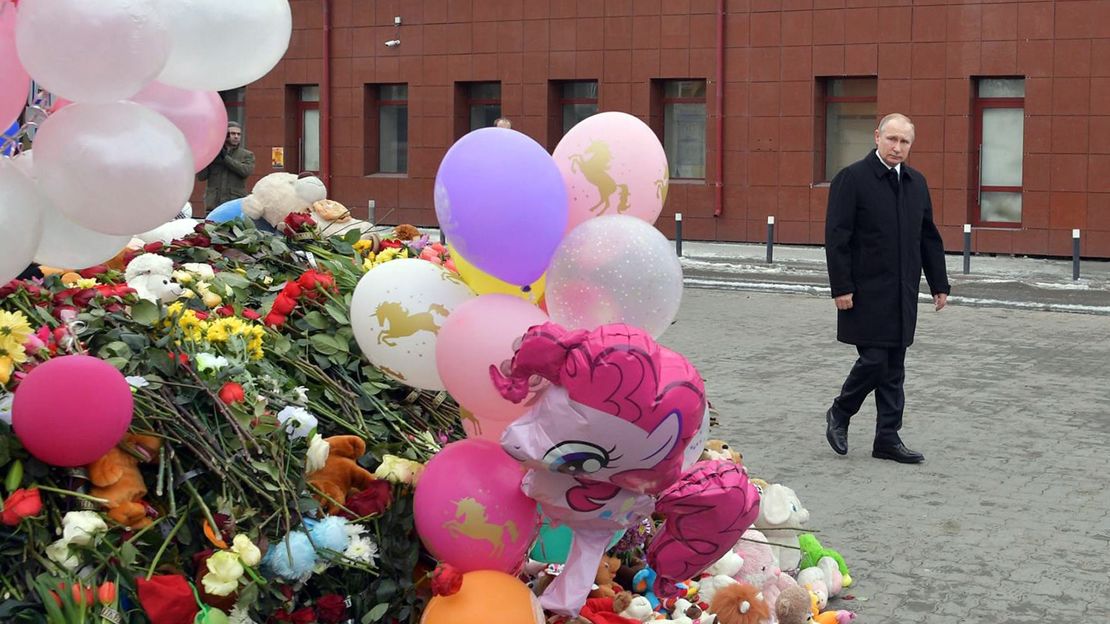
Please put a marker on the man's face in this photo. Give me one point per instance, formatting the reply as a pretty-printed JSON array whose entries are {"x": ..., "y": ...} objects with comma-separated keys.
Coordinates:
[
  {"x": 894, "y": 141},
  {"x": 234, "y": 135}
]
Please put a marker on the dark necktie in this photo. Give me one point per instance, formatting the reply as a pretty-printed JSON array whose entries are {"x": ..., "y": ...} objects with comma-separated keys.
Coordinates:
[{"x": 895, "y": 181}]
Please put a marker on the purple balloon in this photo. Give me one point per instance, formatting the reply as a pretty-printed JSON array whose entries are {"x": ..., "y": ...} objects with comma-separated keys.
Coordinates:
[{"x": 501, "y": 201}]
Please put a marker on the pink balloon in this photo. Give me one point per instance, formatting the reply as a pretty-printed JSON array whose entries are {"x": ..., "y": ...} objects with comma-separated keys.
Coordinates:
[
  {"x": 470, "y": 511},
  {"x": 14, "y": 81},
  {"x": 612, "y": 163},
  {"x": 481, "y": 332},
  {"x": 199, "y": 115},
  {"x": 486, "y": 429},
  {"x": 72, "y": 410}
]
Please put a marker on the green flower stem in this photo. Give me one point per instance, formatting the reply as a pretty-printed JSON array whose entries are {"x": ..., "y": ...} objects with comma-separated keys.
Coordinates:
[
  {"x": 167, "y": 541},
  {"x": 93, "y": 499}
]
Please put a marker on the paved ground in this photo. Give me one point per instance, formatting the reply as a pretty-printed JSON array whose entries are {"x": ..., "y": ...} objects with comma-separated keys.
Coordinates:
[{"x": 1009, "y": 518}]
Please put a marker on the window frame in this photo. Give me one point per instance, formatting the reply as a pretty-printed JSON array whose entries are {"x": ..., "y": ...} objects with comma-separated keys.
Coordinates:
[
  {"x": 821, "y": 175},
  {"x": 464, "y": 104},
  {"x": 372, "y": 143},
  {"x": 978, "y": 105},
  {"x": 303, "y": 106},
  {"x": 560, "y": 102},
  {"x": 664, "y": 101}
]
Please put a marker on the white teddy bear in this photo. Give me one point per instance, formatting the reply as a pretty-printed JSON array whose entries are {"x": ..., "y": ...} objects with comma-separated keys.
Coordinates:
[
  {"x": 151, "y": 276},
  {"x": 720, "y": 574},
  {"x": 280, "y": 194}
]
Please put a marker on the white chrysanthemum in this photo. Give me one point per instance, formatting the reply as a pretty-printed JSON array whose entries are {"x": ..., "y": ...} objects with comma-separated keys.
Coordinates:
[
  {"x": 362, "y": 549},
  {"x": 300, "y": 394},
  {"x": 354, "y": 530},
  {"x": 239, "y": 615},
  {"x": 298, "y": 421},
  {"x": 318, "y": 451}
]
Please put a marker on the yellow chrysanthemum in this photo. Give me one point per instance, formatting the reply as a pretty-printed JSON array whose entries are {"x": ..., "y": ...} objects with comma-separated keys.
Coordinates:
[
  {"x": 363, "y": 246},
  {"x": 191, "y": 326},
  {"x": 14, "y": 328}
]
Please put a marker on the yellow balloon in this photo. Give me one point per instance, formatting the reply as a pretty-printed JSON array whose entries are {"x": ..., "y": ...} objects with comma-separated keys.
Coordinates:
[{"x": 483, "y": 283}]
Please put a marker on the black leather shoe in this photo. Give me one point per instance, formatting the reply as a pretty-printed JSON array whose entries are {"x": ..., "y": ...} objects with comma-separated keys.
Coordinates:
[
  {"x": 836, "y": 433},
  {"x": 899, "y": 453}
]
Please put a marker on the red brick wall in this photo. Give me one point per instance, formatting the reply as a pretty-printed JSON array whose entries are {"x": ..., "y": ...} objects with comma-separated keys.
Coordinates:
[{"x": 924, "y": 54}]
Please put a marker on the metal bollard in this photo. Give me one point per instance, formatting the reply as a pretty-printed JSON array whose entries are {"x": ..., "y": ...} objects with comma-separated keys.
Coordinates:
[
  {"x": 967, "y": 248},
  {"x": 770, "y": 240},
  {"x": 678, "y": 233},
  {"x": 1075, "y": 255}
]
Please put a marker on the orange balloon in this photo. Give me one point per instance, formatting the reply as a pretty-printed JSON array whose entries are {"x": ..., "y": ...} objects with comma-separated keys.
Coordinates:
[{"x": 486, "y": 596}]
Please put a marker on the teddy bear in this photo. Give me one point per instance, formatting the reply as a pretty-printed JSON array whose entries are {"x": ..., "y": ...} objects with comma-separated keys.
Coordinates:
[
  {"x": 794, "y": 606},
  {"x": 115, "y": 477},
  {"x": 604, "y": 580},
  {"x": 638, "y": 609},
  {"x": 334, "y": 219},
  {"x": 151, "y": 276},
  {"x": 760, "y": 568},
  {"x": 740, "y": 604},
  {"x": 280, "y": 194},
  {"x": 341, "y": 473},
  {"x": 782, "y": 516},
  {"x": 721, "y": 574},
  {"x": 605, "y": 610},
  {"x": 719, "y": 449}
]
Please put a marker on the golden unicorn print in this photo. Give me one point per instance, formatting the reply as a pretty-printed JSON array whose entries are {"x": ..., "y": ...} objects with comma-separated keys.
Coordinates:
[
  {"x": 596, "y": 170},
  {"x": 402, "y": 323},
  {"x": 662, "y": 185},
  {"x": 470, "y": 520}
]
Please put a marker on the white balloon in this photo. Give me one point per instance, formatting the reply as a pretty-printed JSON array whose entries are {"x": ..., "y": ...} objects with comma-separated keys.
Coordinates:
[
  {"x": 20, "y": 221},
  {"x": 614, "y": 269},
  {"x": 223, "y": 44},
  {"x": 116, "y": 168},
  {"x": 66, "y": 245},
  {"x": 96, "y": 51},
  {"x": 396, "y": 312}
]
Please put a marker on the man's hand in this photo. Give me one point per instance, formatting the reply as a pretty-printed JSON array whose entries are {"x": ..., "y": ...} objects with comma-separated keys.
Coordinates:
[
  {"x": 939, "y": 301},
  {"x": 843, "y": 302}
]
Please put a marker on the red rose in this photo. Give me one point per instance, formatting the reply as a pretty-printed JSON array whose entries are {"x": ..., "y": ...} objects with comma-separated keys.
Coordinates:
[
  {"x": 93, "y": 271},
  {"x": 201, "y": 315},
  {"x": 154, "y": 247},
  {"x": 331, "y": 609},
  {"x": 250, "y": 314},
  {"x": 21, "y": 504},
  {"x": 300, "y": 616},
  {"x": 391, "y": 242},
  {"x": 375, "y": 499},
  {"x": 274, "y": 320},
  {"x": 283, "y": 305},
  {"x": 167, "y": 599},
  {"x": 291, "y": 290},
  {"x": 225, "y": 310},
  {"x": 232, "y": 392},
  {"x": 446, "y": 580}
]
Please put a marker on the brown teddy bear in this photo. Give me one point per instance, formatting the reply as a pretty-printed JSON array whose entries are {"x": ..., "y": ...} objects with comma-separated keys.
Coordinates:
[
  {"x": 341, "y": 474},
  {"x": 740, "y": 603},
  {"x": 794, "y": 606},
  {"x": 116, "y": 478},
  {"x": 719, "y": 449},
  {"x": 606, "y": 573}
]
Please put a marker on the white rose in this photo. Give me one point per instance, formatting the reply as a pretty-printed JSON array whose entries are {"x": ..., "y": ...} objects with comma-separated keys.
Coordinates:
[
  {"x": 224, "y": 570},
  {"x": 298, "y": 422},
  {"x": 318, "y": 451},
  {"x": 59, "y": 552},
  {"x": 201, "y": 270},
  {"x": 247, "y": 551},
  {"x": 81, "y": 527},
  {"x": 399, "y": 470},
  {"x": 207, "y": 361}
]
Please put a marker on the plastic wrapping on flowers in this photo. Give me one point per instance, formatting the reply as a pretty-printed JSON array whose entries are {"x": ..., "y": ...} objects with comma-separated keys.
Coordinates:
[{"x": 246, "y": 480}]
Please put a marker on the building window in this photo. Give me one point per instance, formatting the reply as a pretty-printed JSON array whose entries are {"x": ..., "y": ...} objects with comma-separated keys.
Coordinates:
[
  {"x": 999, "y": 133},
  {"x": 477, "y": 105},
  {"x": 846, "y": 116},
  {"x": 387, "y": 128},
  {"x": 308, "y": 128},
  {"x": 577, "y": 101},
  {"x": 235, "y": 103},
  {"x": 683, "y": 125}
]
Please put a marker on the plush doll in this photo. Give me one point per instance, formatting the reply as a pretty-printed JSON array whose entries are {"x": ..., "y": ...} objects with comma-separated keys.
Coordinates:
[
  {"x": 834, "y": 617},
  {"x": 151, "y": 276},
  {"x": 606, "y": 573},
  {"x": 781, "y": 516},
  {"x": 719, "y": 449},
  {"x": 638, "y": 609},
  {"x": 793, "y": 606},
  {"x": 341, "y": 473},
  {"x": 606, "y": 610},
  {"x": 827, "y": 576},
  {"x": 334, "y": 219},
  {"x": 719, "y": 575},
  {"x": 813, "y": 552},
  {"x": 740, "y": 604},
  {"x": 686, "y": 612},
  {"x": 280, "y": 194},
  {"x": 116, "y": 478}
]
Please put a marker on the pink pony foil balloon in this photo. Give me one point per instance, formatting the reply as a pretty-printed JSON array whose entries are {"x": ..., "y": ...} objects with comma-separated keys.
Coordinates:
[{"x": 604, "y": 439}]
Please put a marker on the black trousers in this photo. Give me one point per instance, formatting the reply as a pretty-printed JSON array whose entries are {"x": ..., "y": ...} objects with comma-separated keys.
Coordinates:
[{"x": 882, "y": 370}]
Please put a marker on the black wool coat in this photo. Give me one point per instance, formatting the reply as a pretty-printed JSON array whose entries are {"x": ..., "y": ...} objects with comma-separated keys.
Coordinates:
[{"x": 877, "y": 241}]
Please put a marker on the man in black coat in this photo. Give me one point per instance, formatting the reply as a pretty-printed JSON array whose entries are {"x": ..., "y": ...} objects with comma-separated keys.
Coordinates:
[{"x": 879, "y": 235}]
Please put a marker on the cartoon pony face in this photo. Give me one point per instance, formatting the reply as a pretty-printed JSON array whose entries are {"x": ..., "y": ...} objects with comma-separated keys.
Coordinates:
[{"x": 621, "y": 410}]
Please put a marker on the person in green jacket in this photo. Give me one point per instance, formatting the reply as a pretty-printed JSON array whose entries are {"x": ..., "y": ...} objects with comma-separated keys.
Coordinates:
[{"x": 227, "y": 174}]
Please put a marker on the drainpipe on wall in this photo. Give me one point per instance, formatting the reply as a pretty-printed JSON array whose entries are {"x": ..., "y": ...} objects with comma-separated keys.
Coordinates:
[
  {"x": 325, "y": 102},
  {"x": 719, "y": 204}
]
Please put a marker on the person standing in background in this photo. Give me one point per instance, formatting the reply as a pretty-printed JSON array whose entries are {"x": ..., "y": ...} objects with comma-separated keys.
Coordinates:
[{"x": 227, "y": 174}]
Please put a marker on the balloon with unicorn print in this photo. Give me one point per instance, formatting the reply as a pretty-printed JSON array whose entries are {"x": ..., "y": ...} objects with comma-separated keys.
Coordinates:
[{"x": 606, "y": 443}]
